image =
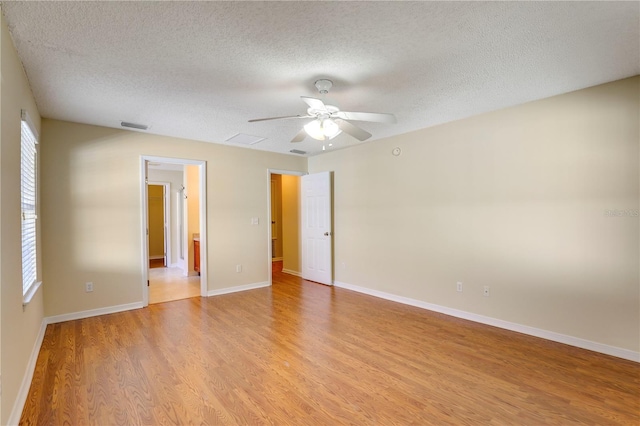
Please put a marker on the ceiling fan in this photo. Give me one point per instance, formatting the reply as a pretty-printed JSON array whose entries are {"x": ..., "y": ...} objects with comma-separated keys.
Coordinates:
[{"x": 328, "y": 121}]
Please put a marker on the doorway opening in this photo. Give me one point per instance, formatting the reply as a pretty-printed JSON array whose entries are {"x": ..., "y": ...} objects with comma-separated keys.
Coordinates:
[
  {"x": 174, "y": 229},
  {"x": 159, "y": 219},
  {"x": 284, "y": 215}
]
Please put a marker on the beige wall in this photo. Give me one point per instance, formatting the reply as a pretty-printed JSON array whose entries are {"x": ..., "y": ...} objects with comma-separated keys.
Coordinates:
[
  {"x": 175, "y": 181},
  {"x": 514, "y": 200},
  {"x": 18, "y": 327},
  {"x": 192, "y": 185},
  {"x": 92, "y": 175},
  {"x": 291, "y": 223}
]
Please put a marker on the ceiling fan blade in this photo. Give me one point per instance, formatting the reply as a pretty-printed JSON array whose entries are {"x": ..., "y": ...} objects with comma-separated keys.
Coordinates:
[
  {"x": 281, "y": 118},
  {"x": 314, "y": 103},
  {"x": 300, "y": 136},
  {"x": 352, "y": 130},
  {"x": 376, "y": 117}
]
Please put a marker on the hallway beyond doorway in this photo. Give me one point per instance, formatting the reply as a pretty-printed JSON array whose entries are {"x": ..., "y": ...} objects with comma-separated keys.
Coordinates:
[{"x": 167, "y": 284}]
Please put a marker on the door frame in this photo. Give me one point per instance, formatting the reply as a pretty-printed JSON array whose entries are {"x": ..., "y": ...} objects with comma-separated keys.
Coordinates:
[
  {"x": 202, "y": 168},
  {"x": 166, "y": 195},
  {"x": 269, "y": 219}
]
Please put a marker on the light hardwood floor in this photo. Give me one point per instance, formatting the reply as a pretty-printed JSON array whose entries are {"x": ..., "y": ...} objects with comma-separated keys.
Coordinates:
[
  {"x": 305, "y": 354},
  {"x": 167, "y": 284}
]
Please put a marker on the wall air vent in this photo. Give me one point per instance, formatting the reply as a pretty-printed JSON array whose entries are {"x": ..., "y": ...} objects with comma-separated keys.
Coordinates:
[
  {"x": 244, "y": 139},
  {"x": 134, "y": 125},
  {"x": 297, "y": 151}
]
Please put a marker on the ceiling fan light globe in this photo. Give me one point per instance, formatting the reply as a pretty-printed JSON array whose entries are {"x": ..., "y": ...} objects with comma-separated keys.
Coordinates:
[
  {"x": 330, "y": 128},
  {"x": 314, "y": 129}
]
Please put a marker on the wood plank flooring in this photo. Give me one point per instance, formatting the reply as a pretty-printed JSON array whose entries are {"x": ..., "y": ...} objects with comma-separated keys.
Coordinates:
[
  {"x": 305, "y": 354},
  {"x": 156, "y": 263}
]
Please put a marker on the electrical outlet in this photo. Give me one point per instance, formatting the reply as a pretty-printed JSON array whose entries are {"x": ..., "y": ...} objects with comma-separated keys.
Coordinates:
[
  {"x": 238, "y": 268},
  {"x": 88, "y": 287},
  {"x": 486, "y": 291},
  {"x": 459, "y": 286}
]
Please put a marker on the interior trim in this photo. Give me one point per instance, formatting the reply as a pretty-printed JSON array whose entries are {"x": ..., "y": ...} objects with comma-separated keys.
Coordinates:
[
  {"x": 290, "y": 272},
  {"x": 524, "y": 329},
  {"x": 93, "y": 312},
  {"x": 23, "y": 392},
  {"x": 227, "y": 290}
]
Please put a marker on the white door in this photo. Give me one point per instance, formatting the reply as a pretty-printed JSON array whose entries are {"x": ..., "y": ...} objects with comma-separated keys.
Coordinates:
[{"x": 317, "y": 259}]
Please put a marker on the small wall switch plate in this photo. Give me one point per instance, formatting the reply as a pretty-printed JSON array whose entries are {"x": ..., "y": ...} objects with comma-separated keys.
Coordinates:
[
  {"x": 238, "y": 268},
  {"x": 486, "y": 291},
  {"x": 255, "y": 221},
  {"x": 459, "y": 286},
  {"x": 88, "y": 287}
]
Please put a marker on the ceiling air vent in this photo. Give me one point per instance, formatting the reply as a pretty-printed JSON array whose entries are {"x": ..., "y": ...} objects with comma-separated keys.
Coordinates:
[
  {"x": 134, "y": 125},
  {"x": 297, "y": 151},
  {"x": 244, "y": 139}
]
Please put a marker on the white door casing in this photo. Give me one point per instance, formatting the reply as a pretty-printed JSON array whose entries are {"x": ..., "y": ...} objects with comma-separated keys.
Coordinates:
[
  {"x": 166, "y": 194},
  {"x": 270, "y": 172},
  {"x": 317, "y": 256},
  {"x": 144, "y": 160}
]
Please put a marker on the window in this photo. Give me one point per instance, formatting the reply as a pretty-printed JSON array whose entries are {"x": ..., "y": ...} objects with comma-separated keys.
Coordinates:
[{"x": 28, "y": 187}]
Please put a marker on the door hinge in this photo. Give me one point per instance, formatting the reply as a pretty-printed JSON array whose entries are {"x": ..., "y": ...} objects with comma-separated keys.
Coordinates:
[{"x": 147, "y": 283}]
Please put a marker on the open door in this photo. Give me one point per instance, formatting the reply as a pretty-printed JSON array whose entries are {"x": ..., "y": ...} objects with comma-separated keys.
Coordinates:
[{"x": 317, "y": 256}]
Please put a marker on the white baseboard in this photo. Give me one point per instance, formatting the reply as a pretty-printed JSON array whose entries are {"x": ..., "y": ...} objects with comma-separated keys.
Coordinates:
[
  {"x": 276, "y": 259},
  {"x": 180, "y": 264},
  {"x": 155, "y": 257},
  {"x": 290, "y": 272},
  {"x": 23, "y": 392},
  {"x": 524, "y": 329},
  {"x": 245, "y": 287},
  {"x": 93, "y": 312}
]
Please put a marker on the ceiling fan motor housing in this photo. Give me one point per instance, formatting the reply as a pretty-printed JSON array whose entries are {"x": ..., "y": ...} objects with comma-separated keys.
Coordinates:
[{"x": 323, "y": 86}]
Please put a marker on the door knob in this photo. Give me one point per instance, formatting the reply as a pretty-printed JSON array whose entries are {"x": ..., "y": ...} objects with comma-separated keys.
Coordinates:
[{"x": 326, "y": 234}]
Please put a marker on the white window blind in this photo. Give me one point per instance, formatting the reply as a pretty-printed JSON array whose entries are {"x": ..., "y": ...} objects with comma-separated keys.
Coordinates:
[{"x": 28, "y": 201}]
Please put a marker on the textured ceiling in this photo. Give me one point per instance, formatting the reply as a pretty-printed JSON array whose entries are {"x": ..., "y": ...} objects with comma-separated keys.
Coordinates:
[{"x": 200, "y": 70}]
